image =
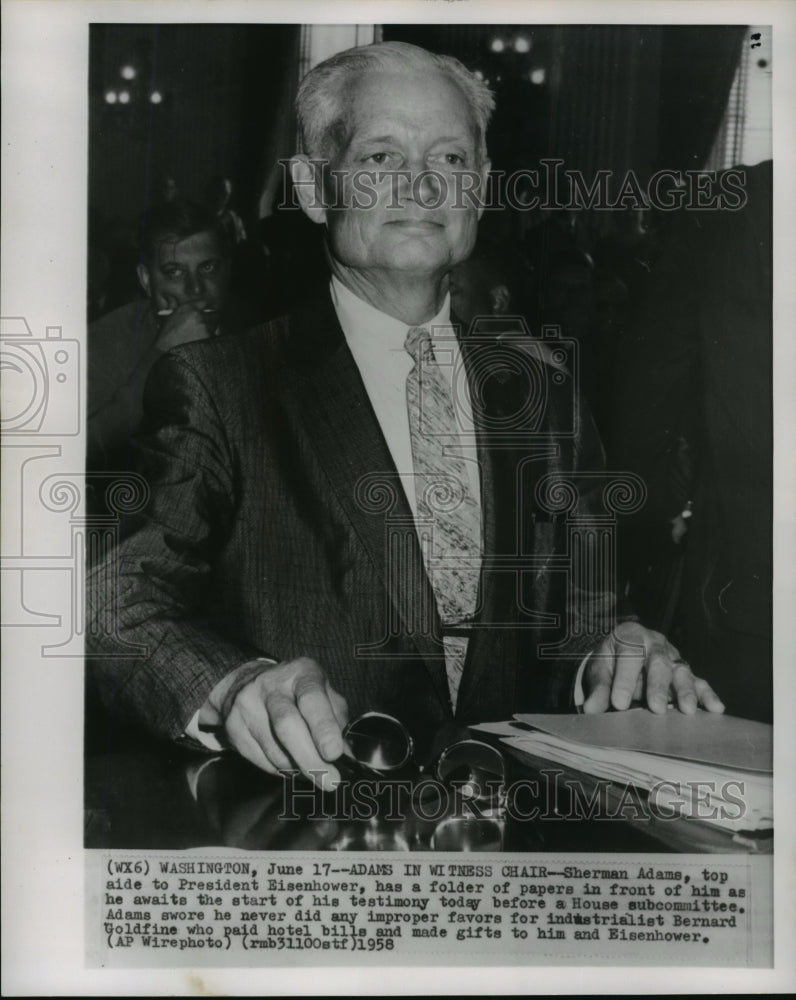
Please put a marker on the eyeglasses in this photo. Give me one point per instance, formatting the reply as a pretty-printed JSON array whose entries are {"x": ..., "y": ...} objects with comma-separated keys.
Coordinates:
[
  {"x": 379, "y": 746},
  {"x": 379, "y": 742}
]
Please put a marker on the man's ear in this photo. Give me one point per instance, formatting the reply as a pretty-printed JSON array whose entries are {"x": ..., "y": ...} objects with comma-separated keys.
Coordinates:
[
  {"x": 307, "y": 177},
  {"x": 485, "y": 171},
  {"x": 143, "y": 279}
]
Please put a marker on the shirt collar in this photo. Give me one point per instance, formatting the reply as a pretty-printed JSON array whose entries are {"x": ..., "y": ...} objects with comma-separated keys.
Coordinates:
[{"x": 360, "y": 320}]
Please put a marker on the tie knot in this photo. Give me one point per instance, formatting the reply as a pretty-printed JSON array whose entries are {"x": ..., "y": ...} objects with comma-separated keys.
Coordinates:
[{"x": 418, "y": 342}]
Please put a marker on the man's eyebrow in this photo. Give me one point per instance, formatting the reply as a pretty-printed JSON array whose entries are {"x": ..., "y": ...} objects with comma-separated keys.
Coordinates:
[
  {"x": 391, "y": 137},
  {"x": 363, "y": 140}
]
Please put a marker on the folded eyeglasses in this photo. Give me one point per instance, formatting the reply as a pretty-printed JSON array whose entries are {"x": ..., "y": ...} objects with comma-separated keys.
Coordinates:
[{"x": 380, "y": 747}]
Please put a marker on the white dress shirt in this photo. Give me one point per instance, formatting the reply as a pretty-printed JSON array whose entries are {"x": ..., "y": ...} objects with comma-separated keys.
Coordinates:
[{"x": 377, "y": 342}]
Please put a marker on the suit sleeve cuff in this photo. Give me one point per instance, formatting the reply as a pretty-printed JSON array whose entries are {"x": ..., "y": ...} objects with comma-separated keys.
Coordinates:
[
  {"x": 206, "y": 723},
  {"x": 207, "y": 737}
]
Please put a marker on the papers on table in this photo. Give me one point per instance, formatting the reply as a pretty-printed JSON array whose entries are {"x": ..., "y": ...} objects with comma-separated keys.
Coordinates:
[{"x": 712, "y": 768}]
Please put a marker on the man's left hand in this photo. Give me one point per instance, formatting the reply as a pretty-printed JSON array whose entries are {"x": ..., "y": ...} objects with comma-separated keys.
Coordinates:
[{"x": 634, "y": 663}]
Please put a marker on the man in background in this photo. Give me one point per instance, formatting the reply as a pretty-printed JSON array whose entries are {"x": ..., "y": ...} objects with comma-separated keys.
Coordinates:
[{"x": 184, "y": 272}]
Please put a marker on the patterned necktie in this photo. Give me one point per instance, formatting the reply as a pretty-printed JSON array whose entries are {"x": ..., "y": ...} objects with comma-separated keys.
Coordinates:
[{"x": 448, "y": 515}]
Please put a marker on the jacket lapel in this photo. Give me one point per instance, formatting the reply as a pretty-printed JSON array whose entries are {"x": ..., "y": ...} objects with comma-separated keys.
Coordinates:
[{"x": 332, "y": 404}]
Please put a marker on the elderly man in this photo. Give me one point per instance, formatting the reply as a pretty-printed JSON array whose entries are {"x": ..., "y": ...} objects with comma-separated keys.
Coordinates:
[{"x": 334, "y": 526}]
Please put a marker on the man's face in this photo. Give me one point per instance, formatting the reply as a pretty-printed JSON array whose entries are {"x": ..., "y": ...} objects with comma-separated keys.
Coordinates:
[
  {"x": 192, "y": 270},
  {"x": 410, "y": 123}
]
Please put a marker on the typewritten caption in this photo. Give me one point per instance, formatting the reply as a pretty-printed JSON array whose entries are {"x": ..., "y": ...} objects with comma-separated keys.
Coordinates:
[{"x": 338, "y": 909}]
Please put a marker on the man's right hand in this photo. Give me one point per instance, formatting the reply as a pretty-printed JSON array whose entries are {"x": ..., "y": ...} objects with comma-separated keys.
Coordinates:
[
  {"x": 185, "y": 324},
  {"x": 284, "y": 716}
]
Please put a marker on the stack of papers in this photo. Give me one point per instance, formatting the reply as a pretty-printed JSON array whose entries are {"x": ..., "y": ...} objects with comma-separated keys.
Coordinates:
[{"x": 715, "y": 769}]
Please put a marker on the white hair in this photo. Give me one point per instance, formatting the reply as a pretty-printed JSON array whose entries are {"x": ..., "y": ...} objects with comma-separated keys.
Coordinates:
[{"x": 320, "y": 104}]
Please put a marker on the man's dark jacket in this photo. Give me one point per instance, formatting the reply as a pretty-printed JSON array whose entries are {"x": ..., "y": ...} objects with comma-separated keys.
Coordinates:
[{"x": 278, "y": 526}]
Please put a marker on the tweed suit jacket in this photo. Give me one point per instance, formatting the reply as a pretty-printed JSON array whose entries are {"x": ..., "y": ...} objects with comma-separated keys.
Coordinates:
[{"x": 278, "y": 526}]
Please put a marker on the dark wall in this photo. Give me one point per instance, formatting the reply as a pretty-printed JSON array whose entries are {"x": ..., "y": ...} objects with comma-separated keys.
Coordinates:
[
  {"x": 615, "y": 97},
  {"x": 220, "y": 86}
]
